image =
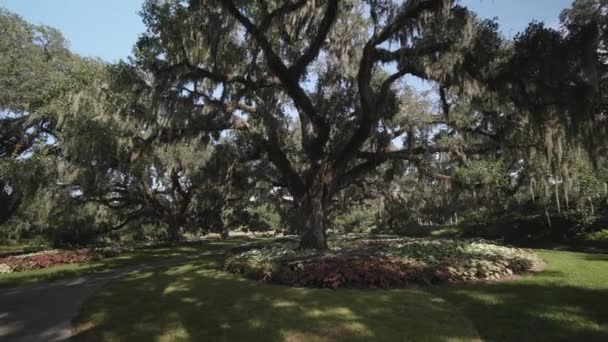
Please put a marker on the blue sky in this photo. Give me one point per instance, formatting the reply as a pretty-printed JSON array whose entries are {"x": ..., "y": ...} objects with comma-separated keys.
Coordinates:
[{"x": 109, "y": 28}]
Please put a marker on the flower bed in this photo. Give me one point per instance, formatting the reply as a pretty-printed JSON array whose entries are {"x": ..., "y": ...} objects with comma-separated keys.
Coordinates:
[
  {"x": 388, "y": 262},
  {"x": 39, "y": 260},
  {"x": 45, "y": 259}
]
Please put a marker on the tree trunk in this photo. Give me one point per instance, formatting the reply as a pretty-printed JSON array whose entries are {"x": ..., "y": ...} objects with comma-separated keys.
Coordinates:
[
  {"x": 566, "y": 195},
  {"x": 557, "y": 204},
  {"x": 311, "y": 216},
  {"x": 173, "y": 231},
  {"x": 225, "y": 234}
]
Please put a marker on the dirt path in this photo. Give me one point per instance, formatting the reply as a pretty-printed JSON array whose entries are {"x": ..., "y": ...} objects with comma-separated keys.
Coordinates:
[{"x": 44, "y": 311}]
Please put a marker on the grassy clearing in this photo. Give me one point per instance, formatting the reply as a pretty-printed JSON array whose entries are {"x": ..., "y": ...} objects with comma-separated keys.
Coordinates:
[
  {"x": 138, "y": 256},
  {"x": 195, "y": 302},
  {"x": 566, "y": 302}
]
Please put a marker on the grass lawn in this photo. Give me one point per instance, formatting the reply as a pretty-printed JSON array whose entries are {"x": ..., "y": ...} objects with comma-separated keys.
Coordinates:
[
  {"x": 195, "y": 302},
  {"x": 568, "y": 301},
  {"x": 12, "y": 248},
  {"x": 136, "y": 257}
]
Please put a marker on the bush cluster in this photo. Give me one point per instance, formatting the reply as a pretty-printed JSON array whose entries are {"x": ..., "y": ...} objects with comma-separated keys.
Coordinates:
[
  {"x": 46, "y": 259},
  {"x": 381, "y": 263},
  {"x": 26, "y": 261}
]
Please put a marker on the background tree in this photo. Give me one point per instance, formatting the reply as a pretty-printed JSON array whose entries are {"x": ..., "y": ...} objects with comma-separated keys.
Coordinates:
[{"x": 39, "y": 77}]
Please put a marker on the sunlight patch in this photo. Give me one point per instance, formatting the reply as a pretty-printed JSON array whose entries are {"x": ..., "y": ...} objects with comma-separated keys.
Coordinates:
[
  {"x": 489, "y": 299},
  {"x": 179, "y": 287},
  {"x": 335, "y": 332},
  {"x": 255, "y": 323},
  {"x": 342, "y": 312},
  {"x": 141, "y": 275},
  {"x": 571, "y": 316},
  {"x": 283, "y": 304},
  {"x": 175, "y": 332},
  {"x": 192, "y": 300}
]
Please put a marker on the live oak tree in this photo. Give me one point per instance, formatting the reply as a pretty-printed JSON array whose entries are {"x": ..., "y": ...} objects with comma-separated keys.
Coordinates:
[
  {"x": 112, "y": 157},
  {"x": 38, "y": 78},
  {"x": 334, "y": 66},
  {"x": 539, "y": 107},
  {"x": 72, "y": 169},
  {"x": 231, "y": 106}
]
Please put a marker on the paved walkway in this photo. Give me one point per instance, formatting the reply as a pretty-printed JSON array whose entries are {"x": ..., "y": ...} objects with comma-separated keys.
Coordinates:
[{"x": 44, "y": 311}]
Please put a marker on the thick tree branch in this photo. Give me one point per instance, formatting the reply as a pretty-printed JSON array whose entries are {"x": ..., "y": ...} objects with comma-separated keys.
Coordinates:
[
  {"x": 411, "y": 10},
  {"x": 331, "y": 13},
  {"x": 196, "y": 73},
  {"x": 288, "y": 7},
  {"x": 289, "y": 81},
  {"x": 386, "y": 56},
  {"x": 371, "y": 107}
]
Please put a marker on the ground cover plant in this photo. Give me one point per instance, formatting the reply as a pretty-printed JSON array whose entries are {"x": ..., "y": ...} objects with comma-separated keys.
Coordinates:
[
  {"x": 46, "y": 259},
  {"x": 385, "y": 262}
]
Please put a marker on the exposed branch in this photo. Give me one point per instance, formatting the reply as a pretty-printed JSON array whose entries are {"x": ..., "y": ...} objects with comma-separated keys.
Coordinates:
[
  {"x": 404, "y": 53},
  {"x": 281, "y": 11},
  {"x": 411, "y": 10},
  {"x": 289, "y": 81},
  {"x": 196, "y": 73},
  {"x": 277, "y": 155},
  {"x": 331, "y": 13},
  {"x": 371, "y": 106}
]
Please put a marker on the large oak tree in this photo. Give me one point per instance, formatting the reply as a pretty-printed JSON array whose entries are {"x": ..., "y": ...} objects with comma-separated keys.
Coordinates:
[{"x": 334, "y": 65}]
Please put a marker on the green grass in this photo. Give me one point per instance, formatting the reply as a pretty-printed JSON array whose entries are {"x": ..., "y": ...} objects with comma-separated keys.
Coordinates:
[
  {"x": 138, "y": 256},
  {"x": 566, "y": 302},
  {"x": 12, "y": 248},
  {"x": 450, "y": 232},
  {"x": 195, "y": 302}
]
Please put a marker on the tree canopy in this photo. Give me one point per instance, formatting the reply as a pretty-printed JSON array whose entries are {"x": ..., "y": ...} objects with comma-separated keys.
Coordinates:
[{"x": 230, "y": 109}]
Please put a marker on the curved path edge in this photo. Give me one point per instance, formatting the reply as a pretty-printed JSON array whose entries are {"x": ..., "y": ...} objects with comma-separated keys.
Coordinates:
[{"x": 44, "y": 311}]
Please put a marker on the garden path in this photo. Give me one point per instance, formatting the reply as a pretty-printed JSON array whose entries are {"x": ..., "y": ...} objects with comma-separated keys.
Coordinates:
[{"x": 44, "y": 311}]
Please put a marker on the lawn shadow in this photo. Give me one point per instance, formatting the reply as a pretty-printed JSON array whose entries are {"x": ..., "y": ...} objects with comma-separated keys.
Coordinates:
[
  {"x": 565, "y": 305},
  {"x": 596, "y": 257},
  {"x": 566, "y": 302},
  {"x": 198, "y": 303}
]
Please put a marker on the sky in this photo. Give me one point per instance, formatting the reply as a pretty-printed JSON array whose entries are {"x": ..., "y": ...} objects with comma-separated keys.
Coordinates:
[{"x": 109, "y": 28}]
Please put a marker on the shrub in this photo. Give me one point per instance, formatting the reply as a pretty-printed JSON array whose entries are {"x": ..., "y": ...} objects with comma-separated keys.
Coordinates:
[
  {"x": 522, "y": 228},
  {"x": 40, "y": 260},
  {"x": 47, "y": 259},
  {"x": 598, "y": 238}
]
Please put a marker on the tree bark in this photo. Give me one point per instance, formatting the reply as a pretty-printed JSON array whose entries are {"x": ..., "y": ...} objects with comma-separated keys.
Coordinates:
[
  {"x": 173, "y": 231},
  {"x": 311, "y": 217},
  {"x": 557, "y": 202},
  {"x": 225, "y": 233}
]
